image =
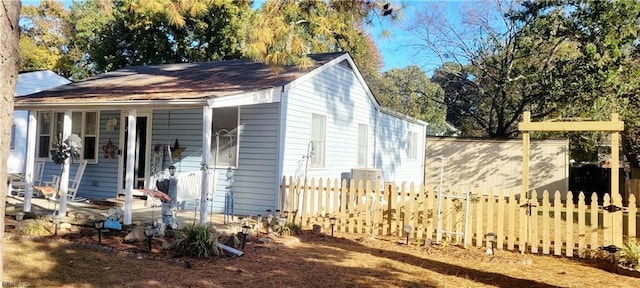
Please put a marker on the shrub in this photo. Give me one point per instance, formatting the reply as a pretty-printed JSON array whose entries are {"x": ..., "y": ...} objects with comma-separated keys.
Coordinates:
[
  {"x": 195, "y": 241},
  {"x": 629, "y": 254},
  {"x": 35, "y": 228}
]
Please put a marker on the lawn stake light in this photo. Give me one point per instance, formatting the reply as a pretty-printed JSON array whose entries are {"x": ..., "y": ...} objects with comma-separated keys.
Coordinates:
[
  {"x": 407, "y": 230},
  {"x": 245, "y": 232},
  {"x": 148, "y": 232},
  {"x": 19, "y": 218},
  {"x": 286, "y": 214},
  {"x": 491, "y": 238},
  {"x": 332, "y": 221},
  {"x": 56, "y": 222},
  {"x": 281, "y": 222},
  {"x": 99, "y": 224}
]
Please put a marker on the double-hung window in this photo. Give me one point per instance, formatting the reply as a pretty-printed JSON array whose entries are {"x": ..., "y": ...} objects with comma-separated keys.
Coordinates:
[
  {"x": 83, "y": 123},
  {"x": 412, "y": 146},
  {"x": 363, "y": 141},
  {"x": 224, "y": 146},
  {"x": 318, "y": 138}
]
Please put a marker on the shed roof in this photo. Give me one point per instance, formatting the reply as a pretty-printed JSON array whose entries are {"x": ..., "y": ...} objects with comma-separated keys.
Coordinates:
[{"x": 182, "y": 81}]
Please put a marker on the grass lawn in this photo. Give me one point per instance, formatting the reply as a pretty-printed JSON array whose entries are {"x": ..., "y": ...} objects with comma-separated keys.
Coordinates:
[{"x": 308, "y": 260}]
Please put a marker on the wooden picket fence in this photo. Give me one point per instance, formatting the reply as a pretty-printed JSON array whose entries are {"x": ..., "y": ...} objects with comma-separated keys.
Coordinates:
[{"x": 546, "y": 224}]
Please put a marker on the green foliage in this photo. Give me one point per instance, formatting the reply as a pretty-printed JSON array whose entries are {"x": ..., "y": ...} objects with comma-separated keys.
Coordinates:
[
  {"x": 195, "y": 241},
  {"x": 293, "y": 228},
  {"x": 629, "y": 254},
  {"x": 35, "y": 228}
]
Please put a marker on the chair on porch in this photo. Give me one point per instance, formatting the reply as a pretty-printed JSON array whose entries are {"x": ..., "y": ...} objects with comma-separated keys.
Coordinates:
[
  {"x": 18, "y": 186},
  {"x": 73, "y": 184}
]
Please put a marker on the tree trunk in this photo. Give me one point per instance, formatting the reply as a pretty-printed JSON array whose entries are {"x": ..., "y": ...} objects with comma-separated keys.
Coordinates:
[{"x": 9, "y": 33}]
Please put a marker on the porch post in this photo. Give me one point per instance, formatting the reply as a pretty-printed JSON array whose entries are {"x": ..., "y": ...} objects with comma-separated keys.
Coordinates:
[
  {"x": 131, "y": 158},
  {"x": 30, "y": 160},
  {"x": 207, "y": 124},
  {"x": 64, "y": 177}
]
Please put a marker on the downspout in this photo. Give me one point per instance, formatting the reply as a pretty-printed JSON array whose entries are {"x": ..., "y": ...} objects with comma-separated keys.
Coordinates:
[{"x": 280, "y": 150}]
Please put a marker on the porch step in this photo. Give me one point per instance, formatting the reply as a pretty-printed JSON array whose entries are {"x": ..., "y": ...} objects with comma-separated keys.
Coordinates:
[{"x": 138, "y": 202}]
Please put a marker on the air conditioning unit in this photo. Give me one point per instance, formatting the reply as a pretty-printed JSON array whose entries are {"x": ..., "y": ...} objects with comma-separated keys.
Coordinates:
[{"x": 366, "y": 174}]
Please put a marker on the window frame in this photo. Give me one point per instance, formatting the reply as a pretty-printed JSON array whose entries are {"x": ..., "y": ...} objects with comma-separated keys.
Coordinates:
[
  {"x": 363, "y": 144},
  {"x": 55, "y": 128},
  {"x": 319, "y": 140},
  {"x": 235, "y": 132},
  {"x": 412, "y": 145}
]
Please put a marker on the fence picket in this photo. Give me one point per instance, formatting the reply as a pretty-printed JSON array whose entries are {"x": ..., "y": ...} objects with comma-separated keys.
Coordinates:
[
  {"x": 523, "y": 228},
  {"x": 534, "y": 241},
  {"x": 581, "y": 224},
  {"x": 569, "y": 221},
  {"x": 500, "y": 222},
  {"x": 430, "y": 213},
  {"x": 606, "y": 221},
  {"x": 343, "y": 207},
  {"x": 631, "y": 215},
  {"x": 379, "y": 208},
  {"x": 511, "y": 234},
  {"x": 359, "y": 205},
  {"x": 491, "y": 199},
  {"x": 594, "y": 221},
  {"x": 413, "y": 200},
  {"x": 313, "y": 196},
  {"x": 351, "y": 206},
  {"x": 557, "y": 224},
  {"x": 546, "y": 206},
  {"x": 479, "y": 209}
]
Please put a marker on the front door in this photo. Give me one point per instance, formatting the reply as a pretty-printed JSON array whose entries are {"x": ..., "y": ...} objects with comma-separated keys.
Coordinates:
[{"x": 142, "y": 151}]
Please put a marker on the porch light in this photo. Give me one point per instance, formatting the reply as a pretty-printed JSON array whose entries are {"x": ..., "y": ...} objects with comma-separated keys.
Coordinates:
[
  {"x": 407, "y": 230},
  {"x": 229, "y": 173},
  {"x": 172, "y": 170},
  {"x": 332, "y": 221},
  {"x": 148, "y": 232},
  {"x": 491, "y": 238},
  {"x": 245, "y": 232},
  {"x": 99, "y": 224}
]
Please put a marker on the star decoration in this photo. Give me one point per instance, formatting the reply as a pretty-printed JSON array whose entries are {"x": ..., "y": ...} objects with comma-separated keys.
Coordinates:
[
  {"x": 109, "y": 150},
  {"x": 176, "y": 150}
]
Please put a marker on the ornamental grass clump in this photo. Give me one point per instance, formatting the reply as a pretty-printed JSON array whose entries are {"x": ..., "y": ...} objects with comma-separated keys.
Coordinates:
[
  {"x": 629, "y": 254},
  {"x": 195, "y": 241}
]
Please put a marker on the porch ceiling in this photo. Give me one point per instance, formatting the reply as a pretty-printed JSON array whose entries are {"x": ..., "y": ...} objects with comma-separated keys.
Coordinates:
[{"x": 189, "y": 83}]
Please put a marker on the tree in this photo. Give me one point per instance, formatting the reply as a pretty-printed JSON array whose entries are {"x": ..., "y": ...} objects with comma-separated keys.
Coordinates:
[
  {"x": 499, "y": 66},
  {"x": 410, "y": 91},
  {"x": 9, "y": 60},
  {"x": 604, "y": 75}
]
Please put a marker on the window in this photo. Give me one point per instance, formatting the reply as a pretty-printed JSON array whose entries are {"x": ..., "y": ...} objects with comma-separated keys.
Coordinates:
[
  {"x": 224, "y": 145},
  {"x": 318, "y": 138},
  {"x": 363, "y": 141},
  {"x": 412, "y": 146},
  {"x": 13, "y": 137},
  {"x": 83, "y": 123}
]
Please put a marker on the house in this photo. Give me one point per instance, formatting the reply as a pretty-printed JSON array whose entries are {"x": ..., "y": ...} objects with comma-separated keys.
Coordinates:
[
  {"x": 28, "y": 83},
  {"x": 480, "y": 163},
  {"x": 233, "y": 116}
]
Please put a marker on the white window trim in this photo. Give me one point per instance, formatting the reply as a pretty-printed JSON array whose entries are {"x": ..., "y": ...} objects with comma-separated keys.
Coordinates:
[
  {"x": 53, "y": 128},
  {"x": 323, "y": 164},
  {"x": 236, "y": 139},
  {"x": 363, "y": 147}
]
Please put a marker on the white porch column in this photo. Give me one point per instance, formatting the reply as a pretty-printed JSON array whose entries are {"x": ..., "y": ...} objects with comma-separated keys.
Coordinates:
[
  {"x": 31, "y": 158},
  {"x": 207, "y": 123},
  {"x": 64, "y": 177},
  {"x": 129, "y": 170}
]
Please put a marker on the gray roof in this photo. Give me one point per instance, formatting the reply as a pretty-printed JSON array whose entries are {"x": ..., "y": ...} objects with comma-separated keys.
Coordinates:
[{"x": 183, "y": 81}]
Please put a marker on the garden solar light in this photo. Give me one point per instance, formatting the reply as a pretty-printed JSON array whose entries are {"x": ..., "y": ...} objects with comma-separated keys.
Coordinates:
[
  {"x": 286, "y": 214},
  {"x": 281, "y": 222},
  {"x": 56, "y": 222},
  {"x": 148, "y": 232},
  {"x": 99, "y": 224},
  {"x": 407, "y": 230},
  {"x": 19, "y": 218},
  {"x": 245, "y": 232},
  {"x": 278, "y": 213},
  {"x": 332, "y": 221},
  {"x": 491, "y": 238}
]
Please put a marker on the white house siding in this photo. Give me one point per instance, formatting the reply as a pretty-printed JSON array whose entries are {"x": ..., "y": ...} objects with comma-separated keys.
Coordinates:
[
  {"x": 337, "y": 94},
  {"x": 254, "y": 183},
  {"x": 391, "y": 156},
  {"x": 28, "y": 83}
]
